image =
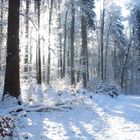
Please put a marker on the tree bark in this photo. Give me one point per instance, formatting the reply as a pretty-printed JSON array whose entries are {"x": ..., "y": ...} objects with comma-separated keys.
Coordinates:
[
  {"x": 125, "y": 64},
  {"x": 84, "y": 45},
  {"x": 72, "y": 43},
  {"x": 49, "y": 44},
  {"x": 60, "y": 72},
  {"x": 38, "y": 57},
  {"x": 26, "y": 36},
  {"x": 12, "y": 75},
  {"x": 102, "y": 45},
  {"x": 115, "y": 61},
  {"x": 1, "y": 34},
  {"x": 106, "y": 53},
  {"x": 65, "y": 42}
]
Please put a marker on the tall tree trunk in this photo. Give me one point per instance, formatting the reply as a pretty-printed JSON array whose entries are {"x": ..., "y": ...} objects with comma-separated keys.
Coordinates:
[
  {"x": 87, "y": 60},
  {"x": 12, "y": 75},
  {"x": 106, "y": 53},
  {"x": 49, "y": 44},
  {"x": 72, "y": 43},
  {"x": 84, "y": 45},
  {"x": 99, "y": 57},
  {"x": 132, "y": 82},
  {"x": 125, "y": 64},
  {"x": 26, "y": 36},
  {"x": 1, "y": 34},
  {"x": 43, "y": 61},
  {"x": 102, "y": 45},
  {"x": 38, "y": 59},
  {"x": 106, "y": 56},
  {"x": 115, "y": 61},
  {"x": 68, "y": 59},
  {"x": 30, "y": 53},
  {"x": 65, "y": 41},
  {"x": 60, "y": 42}
]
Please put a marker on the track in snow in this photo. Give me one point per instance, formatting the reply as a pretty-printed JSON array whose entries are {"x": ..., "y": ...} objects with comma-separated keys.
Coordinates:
[{"x": 99, "y": 118}]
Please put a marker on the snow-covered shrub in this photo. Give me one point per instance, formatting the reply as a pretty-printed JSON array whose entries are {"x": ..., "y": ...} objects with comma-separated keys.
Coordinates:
[
  {"x": 63, "y": 85},
  {"x": 108, "y": 88},
  {"x": 36, "y": 94},
  {"x": 31, "y": 92},
  {"x": 6, "y": 126}
]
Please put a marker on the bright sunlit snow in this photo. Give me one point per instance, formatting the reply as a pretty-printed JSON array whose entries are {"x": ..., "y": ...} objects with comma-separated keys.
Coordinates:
[
  {"x": 99, "y": 118},
  {"x": 82, "y": 117}
]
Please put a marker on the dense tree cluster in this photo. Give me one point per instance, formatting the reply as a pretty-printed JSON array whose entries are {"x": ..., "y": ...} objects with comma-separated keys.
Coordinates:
[{"x": 68, "y": 39}]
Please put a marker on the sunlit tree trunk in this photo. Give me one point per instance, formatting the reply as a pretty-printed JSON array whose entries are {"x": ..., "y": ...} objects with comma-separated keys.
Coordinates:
[
  {"x": 43, "y": 61},
  {"x": 12, "y": 77},
  {"x": 26, "y": 37},
  {"x": 30, "y": 53},
  {"x": 60, "y": 72}
]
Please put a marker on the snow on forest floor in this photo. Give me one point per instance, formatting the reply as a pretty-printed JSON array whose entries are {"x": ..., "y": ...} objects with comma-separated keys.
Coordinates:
[
  {"x": 99, "y": 117},
  {"x": 83, "y": 117}
]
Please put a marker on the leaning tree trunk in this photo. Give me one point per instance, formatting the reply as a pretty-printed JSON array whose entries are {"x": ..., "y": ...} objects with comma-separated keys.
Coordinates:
[
  {"x": 72, "y": 43},
  {"x": 12, "y": 76}
]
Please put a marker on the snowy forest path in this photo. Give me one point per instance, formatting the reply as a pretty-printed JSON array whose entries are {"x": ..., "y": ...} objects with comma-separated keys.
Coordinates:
[
  {"x": 91, "y": 117},
  {"x": 120, "y": 116}
]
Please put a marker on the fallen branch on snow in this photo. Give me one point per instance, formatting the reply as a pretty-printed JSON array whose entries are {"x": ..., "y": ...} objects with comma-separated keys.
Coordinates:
[{"x": 34, "y": 108}]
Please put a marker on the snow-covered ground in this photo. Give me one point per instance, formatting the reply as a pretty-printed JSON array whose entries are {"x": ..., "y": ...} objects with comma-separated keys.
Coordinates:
[
  {"x": 83, "y": 117},
  {"x": 74, "y": 115}
]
